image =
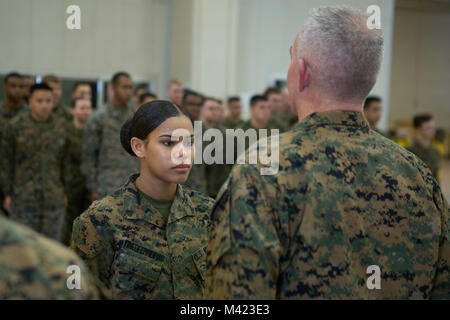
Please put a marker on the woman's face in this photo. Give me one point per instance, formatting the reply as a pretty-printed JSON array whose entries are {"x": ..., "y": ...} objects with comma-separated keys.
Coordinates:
[{"x": 168, "y": 152}]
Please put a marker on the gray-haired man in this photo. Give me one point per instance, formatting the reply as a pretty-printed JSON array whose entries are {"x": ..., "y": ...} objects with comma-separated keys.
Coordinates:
[{"x": 350, "y": 214}]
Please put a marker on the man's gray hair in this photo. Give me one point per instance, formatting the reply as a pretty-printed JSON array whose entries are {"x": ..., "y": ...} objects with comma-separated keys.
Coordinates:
[{"x": 342, "y": 52}]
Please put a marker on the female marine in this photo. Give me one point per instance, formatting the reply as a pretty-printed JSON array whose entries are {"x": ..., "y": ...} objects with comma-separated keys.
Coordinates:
[{"x": 148, "y": 239}]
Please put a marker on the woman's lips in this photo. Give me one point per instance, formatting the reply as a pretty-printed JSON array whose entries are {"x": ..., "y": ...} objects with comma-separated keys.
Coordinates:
[{"x": 182, "y": 168}]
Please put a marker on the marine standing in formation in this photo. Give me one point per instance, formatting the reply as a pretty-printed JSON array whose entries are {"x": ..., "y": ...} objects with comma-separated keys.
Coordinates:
[
  {"x": 78, "y": 199},
  {"x": 104, "y": 163},
  {"x": 216, "y": 173},
  {"x": 192, "y": 105},
  {"x": 233, "y": 120},
  {"x": 59, "y": 110},
  {"x": 148, "y": 239},
  {"x": 422, "y": 145},
  {"x": 344, "y": 197},
  {"x": 32, "y": 176},
  {"x": 13, "y": 105}
]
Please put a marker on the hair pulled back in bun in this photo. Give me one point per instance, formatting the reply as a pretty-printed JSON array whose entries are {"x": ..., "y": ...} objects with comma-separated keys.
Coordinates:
[{"x": 146, "y": 119}]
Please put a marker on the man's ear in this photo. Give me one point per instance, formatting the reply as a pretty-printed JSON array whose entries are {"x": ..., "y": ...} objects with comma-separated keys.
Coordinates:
[{"x": 304, "y": 75}]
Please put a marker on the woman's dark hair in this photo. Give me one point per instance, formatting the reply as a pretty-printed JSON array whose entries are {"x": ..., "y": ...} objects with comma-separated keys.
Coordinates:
[{"x": 147, "y": 118}]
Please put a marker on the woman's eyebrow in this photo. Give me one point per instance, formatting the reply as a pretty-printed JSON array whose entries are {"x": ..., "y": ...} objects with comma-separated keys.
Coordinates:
[{"x": 166, "y": 136}]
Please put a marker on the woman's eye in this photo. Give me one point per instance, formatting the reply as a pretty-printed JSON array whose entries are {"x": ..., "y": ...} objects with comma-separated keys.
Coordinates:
[{"x": 167, "y": 143}]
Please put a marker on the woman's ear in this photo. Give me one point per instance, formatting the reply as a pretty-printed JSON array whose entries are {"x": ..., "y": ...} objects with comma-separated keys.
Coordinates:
[{"x": 138, "y": 147}]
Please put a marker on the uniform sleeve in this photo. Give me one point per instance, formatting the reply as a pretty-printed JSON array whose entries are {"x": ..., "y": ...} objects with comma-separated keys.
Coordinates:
[
  {"x": 90, "y": 152},
  {"x": 91, "y": 242},
  {"x": 441, "y": 285},
  {"x": 7, "y": 149},
  {"x": 244, "y": 252}
]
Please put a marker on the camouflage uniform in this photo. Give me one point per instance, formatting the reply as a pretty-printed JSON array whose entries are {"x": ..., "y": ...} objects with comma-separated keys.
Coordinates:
[
  {"x": 63, "y": 112},
  {"x": 7, "y": 114},
  {"x": 227, "y": 123},
  {"x": 77, "y": 194},
  {"x": 34, "y": 267},
  {"x": 33, "y": 172},
  {"x": 344, "y": 198},
  {"x": 104, "y": 162},
  {"x": 283, "y": 120},
  {"x": 430, "y": 156},
  {"x": 197, "y": 179},
  {"x": 216, "y": 174},
  {"x": 130, "y": 248}
]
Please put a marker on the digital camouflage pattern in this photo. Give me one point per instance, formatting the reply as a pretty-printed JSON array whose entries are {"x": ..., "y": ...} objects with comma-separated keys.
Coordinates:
[
  {"x": 430, "y": 156},
  {"x": 77, "y": 194},
  {"x": 127, "y": 245},
  {"x": 34, "y": 267},
  {"x": 63, "y": 112},
  {"x": 228, "y": 124},
  {"x": 197, "y": 179},
  {"x": 216, "y": 173},
  {"x": 104, "y": 162},
  {"x": 283, "y": 120},
  {"x": 33, "y": 172},
  {"x": 7, "y": 114},
  {"x": 344, "y": 198}
]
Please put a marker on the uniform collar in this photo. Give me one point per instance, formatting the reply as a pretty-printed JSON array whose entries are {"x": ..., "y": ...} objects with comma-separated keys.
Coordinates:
[
  {"x": 133, "y": 209},
  {"x": 334, "y": 118}
]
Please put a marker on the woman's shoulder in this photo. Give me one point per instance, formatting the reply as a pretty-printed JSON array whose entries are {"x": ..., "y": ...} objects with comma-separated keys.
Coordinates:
[
  {"x": 104, "y": 209},
  {"x": 201, "y": 201}
]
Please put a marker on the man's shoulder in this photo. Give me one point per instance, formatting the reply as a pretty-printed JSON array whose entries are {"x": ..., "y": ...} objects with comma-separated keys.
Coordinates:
[
  {"x": 21, "y": 119},
  {"x": 105, "y": 207},
  {"x": 98, "y": 115}
]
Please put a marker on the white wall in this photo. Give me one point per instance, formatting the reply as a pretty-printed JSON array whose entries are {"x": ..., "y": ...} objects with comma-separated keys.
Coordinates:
[
  {"x": 268, "y": 28},
  {"x": 421, "y": 65},
  {"x": 115, "y": 35},
  {"x": 235, "y": 46}
]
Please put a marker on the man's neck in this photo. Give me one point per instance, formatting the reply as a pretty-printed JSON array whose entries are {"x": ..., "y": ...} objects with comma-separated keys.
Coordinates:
[
  {"x": 423, "y": 142},
  {"x": 37, "y": 118},
  {"x": 373, "y": 126},
  {"x": 118, "y": 104},
  {"x": 234, "y": 119},
  {"x": 79, "y": 124},
  {"x": 257, "y": 125},
  {"x": 308, "y": 108},
  {"x": 209, "y": 124}
]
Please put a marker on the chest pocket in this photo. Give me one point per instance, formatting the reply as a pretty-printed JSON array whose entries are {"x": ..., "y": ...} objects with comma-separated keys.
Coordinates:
[
  {"x": 135, "y": 276},
  {"x": 199, "y": 259},
  {"x": 195, "y": 269}
]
